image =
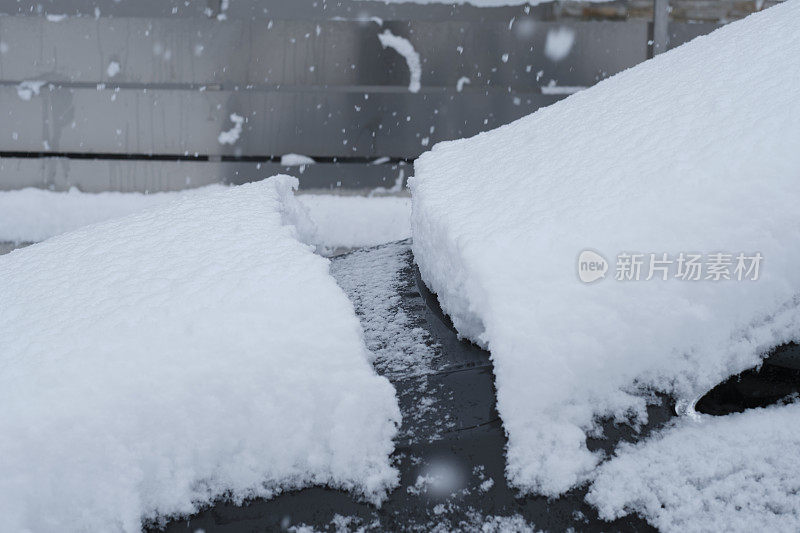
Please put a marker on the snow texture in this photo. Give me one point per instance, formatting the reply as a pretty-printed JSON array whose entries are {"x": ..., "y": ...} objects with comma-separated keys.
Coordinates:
[
  {"x": 232, "y": 135},
  {"x": 33, "y": 215},
  {"x": 681, "y": 153},
  {"x": 197, "y": 350},
  {"x": 378, "y": 281},
  {"x": 733, "y": 473},
  {"x": 372, "y": 280},
  {"x": 355, "y": 221},
  {"x": 404, "y": 47},
  {"x": 477, "y": 522},
  {"x": 559, "y": 43}
]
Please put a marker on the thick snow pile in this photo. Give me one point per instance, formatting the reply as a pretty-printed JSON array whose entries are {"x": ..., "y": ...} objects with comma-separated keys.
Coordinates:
[
  {"x": 355, "y": 221},
  {"x": 153, "y": 363},
  {"x": 737, "y": 473},
  {"x": 681, "y": 154},
  {"x": 33, "y": 215}
]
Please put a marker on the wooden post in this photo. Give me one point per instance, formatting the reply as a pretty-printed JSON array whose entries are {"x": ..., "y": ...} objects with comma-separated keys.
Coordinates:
[{"x": 660, "y": 26}]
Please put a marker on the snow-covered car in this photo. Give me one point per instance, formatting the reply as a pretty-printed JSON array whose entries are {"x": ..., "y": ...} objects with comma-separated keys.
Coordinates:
[{"x": 593, "y": 325}]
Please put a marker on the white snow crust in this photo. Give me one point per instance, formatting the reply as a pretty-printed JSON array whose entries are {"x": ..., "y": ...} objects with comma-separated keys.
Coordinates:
[
  {"x": 733, "y": 473},
  {"x": 404, "y": 47},
  {"x": 296, "y": 160},
  {"x": 354, "y": 221},
  {"x": 192, "y": 351},
  {"x": 681, "y": 153},
  {"x": 233, "y": 134},
  {"x": 33, "y": 215}
]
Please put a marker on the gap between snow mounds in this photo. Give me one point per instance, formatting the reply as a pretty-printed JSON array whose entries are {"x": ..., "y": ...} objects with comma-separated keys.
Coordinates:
[
  {"x": 416, "y": 346},
  {"x": 402, "y": 336},
  {"x": 450, "y": 479},
  {"x": 373, "y": 282}
]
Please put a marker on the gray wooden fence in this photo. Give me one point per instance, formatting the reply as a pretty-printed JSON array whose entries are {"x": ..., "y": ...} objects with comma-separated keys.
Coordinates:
[{"x": 133, "y": 95}]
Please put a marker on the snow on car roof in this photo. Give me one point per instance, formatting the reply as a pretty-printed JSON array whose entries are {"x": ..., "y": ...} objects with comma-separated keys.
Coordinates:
[
  {"x": 196, "y": 350},
  {"x": 568, "y": 242},
  {"x": 735, "y": 473}
]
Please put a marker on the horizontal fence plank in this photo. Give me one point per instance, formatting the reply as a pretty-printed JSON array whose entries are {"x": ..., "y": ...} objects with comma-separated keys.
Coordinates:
[
  {"x": 139, "y": 85},
  {"x": 61, "y": 174},
  {"x": 188, "y": 122},
  {"x": 242, "y": 53}
]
